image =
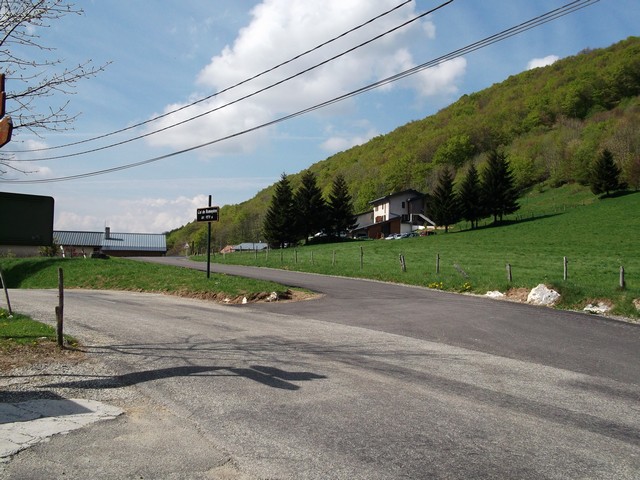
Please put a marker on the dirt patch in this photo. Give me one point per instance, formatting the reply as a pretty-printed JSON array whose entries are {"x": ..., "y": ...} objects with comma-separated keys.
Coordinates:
[
  {"x": 288, "y": 296},
  {"x": 44, "y": 352},
  {"x": 517, "y": 295}
]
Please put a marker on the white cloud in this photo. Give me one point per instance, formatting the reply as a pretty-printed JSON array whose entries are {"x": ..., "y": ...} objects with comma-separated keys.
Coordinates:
[
  {"x": 147, "y": 215},
  {"x": 339, "y": 143},
  {"x": 441, "y": 79},
  {"x": 542, "y": 62},
  {"x": 282, "y": 29}
]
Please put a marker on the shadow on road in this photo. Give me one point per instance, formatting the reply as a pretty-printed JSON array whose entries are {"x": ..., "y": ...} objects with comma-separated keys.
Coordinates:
[{"x": 269, "y": 376}]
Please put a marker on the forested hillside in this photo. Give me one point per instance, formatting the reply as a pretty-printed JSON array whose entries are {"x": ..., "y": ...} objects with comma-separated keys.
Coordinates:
[{"x": 551, "y": 122}]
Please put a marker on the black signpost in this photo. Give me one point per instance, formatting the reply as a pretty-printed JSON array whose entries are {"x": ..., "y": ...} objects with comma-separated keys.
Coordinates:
[{"x": 208, "y": 214}]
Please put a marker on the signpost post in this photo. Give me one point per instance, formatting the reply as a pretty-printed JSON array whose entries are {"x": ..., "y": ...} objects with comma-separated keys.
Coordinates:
[{"x": 208, "y": 214}]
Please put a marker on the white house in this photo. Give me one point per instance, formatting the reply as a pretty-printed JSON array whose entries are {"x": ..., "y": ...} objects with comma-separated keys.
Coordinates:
[{"x": 399, "y": 212}]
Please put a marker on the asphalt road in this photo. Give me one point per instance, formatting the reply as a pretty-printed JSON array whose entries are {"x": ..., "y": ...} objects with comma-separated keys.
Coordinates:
[{"x": 372, "y": 381}]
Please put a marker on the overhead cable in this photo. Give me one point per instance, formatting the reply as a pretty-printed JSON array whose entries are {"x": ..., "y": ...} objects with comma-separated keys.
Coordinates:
[
  {"x": 528, "y": 25},
  {"x": 245, "y": 97},
  {"x": 224, "y": 90}
]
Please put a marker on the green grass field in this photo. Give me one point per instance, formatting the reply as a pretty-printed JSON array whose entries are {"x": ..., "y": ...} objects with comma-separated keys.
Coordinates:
[{"x": 596, "y": 236}]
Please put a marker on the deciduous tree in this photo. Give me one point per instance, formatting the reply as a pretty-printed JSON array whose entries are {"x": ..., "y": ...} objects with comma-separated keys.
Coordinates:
[{"x": 38, "y": 83}]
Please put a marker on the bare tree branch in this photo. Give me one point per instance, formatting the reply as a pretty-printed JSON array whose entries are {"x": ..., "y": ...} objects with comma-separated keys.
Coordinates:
[{"x": 38, "y": 83}]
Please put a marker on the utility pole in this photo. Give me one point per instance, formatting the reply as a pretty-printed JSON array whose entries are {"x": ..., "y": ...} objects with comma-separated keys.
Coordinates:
[
  {"x": 6, "y": 125},
  {"x": 209, "y": 245}
]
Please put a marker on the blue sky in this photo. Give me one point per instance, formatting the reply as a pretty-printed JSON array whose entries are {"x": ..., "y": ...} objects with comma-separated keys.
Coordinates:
[{"x": 167, "y": 54}]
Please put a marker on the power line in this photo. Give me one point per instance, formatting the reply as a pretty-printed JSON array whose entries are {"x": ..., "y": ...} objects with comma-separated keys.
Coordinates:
[
  {"x": 226, "y": 89},
  {"x": 505, "y": 34},
  {"x": 245, "y": 97}
]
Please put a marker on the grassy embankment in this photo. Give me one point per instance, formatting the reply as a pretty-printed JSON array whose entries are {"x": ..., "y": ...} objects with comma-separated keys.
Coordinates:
[
  {"x": 123, "y": 274},
  {"x": 597, "y": 237}
]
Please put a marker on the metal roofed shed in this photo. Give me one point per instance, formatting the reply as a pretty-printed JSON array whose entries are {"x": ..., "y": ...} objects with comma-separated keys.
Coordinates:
[{"x": 74, "y": 243}]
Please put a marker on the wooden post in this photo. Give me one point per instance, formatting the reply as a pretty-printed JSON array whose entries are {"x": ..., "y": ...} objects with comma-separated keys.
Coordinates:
[
  {"x": 295, "y": 254},
  {"x": 281, "y": 255},
  {"x": 509, "y": 277},
  {"x": 403, "y": 265},
  {"x": 312, "y": 263},
  {"x": 437, "y": 263},
  {"x": 6, "y": 293},
  {"x": 565, "y": 275},
  {"x": 333, "y": 259},
  {"x": 622, "y": 282},
  {"x": 60, "y": 309},
  {"x": 361, "y": 258}
]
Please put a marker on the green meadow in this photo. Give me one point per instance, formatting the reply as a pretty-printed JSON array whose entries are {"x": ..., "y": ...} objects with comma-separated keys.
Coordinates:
[{"x": 597, "y": 237}]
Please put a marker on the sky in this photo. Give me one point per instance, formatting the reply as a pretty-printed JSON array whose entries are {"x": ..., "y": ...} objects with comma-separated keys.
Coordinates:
[{"x": 214, "y": 60}]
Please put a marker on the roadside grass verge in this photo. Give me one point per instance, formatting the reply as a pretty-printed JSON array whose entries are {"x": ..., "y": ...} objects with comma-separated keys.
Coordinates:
[
  {"x": 597, "y": 237},
  {"x": 24, "y": 341},
  {"x": 130, "y": 275}
]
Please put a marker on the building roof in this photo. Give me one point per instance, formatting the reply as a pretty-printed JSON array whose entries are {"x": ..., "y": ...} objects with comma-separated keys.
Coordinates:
[
  {"x": 411, "y": 193},
  {"x": 142, "y": 242},
  {"x": 250, "y": 246}
]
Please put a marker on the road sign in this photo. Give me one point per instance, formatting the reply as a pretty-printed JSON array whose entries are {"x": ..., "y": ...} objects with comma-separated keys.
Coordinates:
[{"x": 207, "y": 214}]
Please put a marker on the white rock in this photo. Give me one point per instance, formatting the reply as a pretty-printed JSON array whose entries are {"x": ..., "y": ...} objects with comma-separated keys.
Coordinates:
[
  {"x": 273, "y": 297},
  {"x": 600, "y": 308},
  {"x": 494, "y": 294},
  {"x": 541, "y": 295},
  {"x": 244, "y": 301},
  {"x": 636, "y": 303}
]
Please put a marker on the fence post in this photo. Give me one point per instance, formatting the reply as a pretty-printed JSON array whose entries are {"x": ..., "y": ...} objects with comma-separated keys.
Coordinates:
[
  {"x": 312, "y": 263},
  {"x": 509, "y": 277},
  {"x": 403, "y": 265},
  {"x": 361, "y": 258},
  {"x": 333, "y": 259},
  {"x": 565, "y": 275},
  {"x": 60, "y": 309},
  {"x": 295, "y": 255},
  {"x": 6, "y": 293},
  {"x": 622, "y": 282},
  {"x": 437, "y": 263}
]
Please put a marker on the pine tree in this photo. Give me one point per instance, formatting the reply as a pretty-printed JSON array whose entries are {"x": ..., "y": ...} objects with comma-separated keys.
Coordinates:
[
  {"x": 279, "y": 222},
  {"x": 605, "y": 175},
  {"x": 444, "y": 208},
  {"x": 311, "y": 208},
  {"x": 499, "y": 195},
  {"x": 341, "y": 218},
  {"x": 470, "y": 196}
]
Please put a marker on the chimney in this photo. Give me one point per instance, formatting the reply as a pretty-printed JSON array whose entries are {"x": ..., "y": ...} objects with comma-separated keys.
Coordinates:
[{"x": 107, "y": 233}]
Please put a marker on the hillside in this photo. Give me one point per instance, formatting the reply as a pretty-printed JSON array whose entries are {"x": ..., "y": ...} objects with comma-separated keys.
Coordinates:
[{"x": 550, "y": 121}]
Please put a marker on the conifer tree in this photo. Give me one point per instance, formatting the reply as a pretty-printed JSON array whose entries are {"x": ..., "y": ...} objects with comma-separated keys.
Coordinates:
[
  {"x": 279, "y": 222},
  {"x": 605, "y": 174},
  {"x": 311, "y": 208},
  {"x": 444, "y": 208},
  {"x": 470, "y": 197},
  {"x": 341, "y": 218},
  {"x": 499, "y": 195}
]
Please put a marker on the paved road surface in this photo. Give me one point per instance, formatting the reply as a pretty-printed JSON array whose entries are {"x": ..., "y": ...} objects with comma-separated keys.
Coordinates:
[{"x": 344, "y": 388}]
